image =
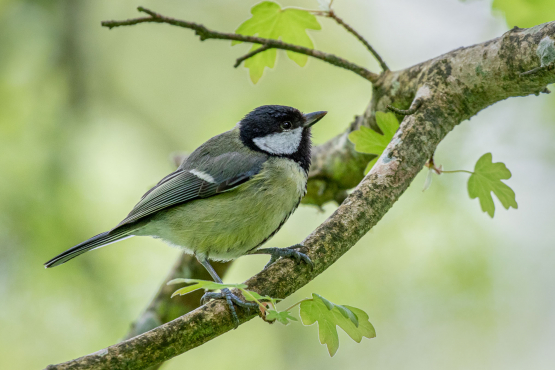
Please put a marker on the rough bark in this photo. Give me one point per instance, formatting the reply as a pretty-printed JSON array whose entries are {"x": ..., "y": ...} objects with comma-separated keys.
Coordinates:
[
  {"x": 337, "y": 167},
  {"x": 163, "y": 308},
  {"x": 453, "y": 87}
]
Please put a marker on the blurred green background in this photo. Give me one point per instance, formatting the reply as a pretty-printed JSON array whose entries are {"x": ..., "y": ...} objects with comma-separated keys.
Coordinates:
[{"x": 89, "y": 117}]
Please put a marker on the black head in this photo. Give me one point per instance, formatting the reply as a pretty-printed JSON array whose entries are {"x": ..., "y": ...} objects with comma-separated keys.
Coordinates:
[{"x": 280, "y": 131}]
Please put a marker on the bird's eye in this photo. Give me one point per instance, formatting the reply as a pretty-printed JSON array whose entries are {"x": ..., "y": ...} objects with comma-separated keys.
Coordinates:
[{"x": 286, "y": 125}]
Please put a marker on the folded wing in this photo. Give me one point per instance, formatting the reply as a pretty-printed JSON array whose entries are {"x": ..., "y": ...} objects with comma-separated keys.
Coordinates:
[{"x": 212, "y": 176}]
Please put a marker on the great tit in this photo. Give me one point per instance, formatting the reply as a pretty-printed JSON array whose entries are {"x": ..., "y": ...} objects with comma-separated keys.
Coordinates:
[{"x": 229, "y": 197}]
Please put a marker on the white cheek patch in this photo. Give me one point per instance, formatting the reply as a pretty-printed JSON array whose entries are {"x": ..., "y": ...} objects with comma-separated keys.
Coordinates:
[{"x": 286, "y": 142}]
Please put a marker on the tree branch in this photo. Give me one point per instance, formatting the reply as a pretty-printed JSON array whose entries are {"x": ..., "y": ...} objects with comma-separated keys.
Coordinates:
[
  {"x": 337, "y": 167},
  {"x": 451, "y": 91},
  {"x": 163, "y": 308},
  {"x": 205, "y": 34},
  {"x": 331, "y": 14}
]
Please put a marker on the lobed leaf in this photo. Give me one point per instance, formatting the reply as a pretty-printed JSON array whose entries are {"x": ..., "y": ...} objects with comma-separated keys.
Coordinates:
[
  {"x": 369, "y": 141},
  {"x": 281, "y": 316},
  {"x": 270, "y": 21},
  {"x": 487, "y": 178},
  {"x": 254, "y": 296},
  {"x": 329, "y": 315}
]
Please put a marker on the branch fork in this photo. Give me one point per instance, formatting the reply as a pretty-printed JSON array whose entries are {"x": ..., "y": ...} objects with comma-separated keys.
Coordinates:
[
  {"x": 205, "y": 34},
  {"x": 407, "y": 112}
]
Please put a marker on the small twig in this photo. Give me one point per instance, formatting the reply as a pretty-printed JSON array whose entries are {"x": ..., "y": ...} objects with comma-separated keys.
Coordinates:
[
  {"x": 149, "y": 12},
  {"x": 432, "y": 166},
  {"x": 406, "y": 112},
  {"x": 439, "y": 169},
  {"x": 205, "y": 34},
  {"x": 251, "y": 54},
  {"x": 331, "y": 14},
  {"x": 538, "y": 69}
]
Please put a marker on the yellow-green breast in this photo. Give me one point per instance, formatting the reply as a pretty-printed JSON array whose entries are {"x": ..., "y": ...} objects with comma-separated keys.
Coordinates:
[{"x": 236, "y": 222}]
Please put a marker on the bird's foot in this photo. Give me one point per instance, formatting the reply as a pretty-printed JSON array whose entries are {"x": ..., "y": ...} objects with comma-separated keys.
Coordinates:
[
  {"x": 231, "y": 299},
  {"x": 289, "y": 252}
]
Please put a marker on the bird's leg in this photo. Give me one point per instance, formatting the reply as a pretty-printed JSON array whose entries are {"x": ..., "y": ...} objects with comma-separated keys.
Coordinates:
[
  {"x": 289, "y": 252},
  {"x": 225, "y": 293}
]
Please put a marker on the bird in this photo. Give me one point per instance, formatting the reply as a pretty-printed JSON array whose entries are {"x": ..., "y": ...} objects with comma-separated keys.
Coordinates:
[{"x": 228, "y": 197}]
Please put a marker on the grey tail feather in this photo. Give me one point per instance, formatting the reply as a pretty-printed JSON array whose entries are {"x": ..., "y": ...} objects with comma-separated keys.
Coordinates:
[{"x": 97, "y": 241}]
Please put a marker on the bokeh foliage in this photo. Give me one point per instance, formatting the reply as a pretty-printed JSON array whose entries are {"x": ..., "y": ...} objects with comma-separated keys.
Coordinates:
[
  {"x": 526, "y": 13},
  {"x": 88, "y": 118}
]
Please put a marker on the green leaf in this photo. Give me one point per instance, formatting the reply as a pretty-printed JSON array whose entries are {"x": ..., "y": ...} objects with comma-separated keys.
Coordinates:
[
  {"x": 201, "y": 284},
  {"x": 352, "y": 320},
  {"x": 270, "y": 21},
  {"x": 327, "y": 303},
  {"x": 281, "y": 316},
  {"x": 345, "y": 312},
  {"x": 252, "y": 296},
  {"x": 486, "y": 178},
  {"x": 525, "y": 13},
  {"x": 369, "y": 141}
]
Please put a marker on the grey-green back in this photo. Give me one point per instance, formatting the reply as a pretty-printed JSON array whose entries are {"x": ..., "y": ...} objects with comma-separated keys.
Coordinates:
[{"x": 223, "y": 158}]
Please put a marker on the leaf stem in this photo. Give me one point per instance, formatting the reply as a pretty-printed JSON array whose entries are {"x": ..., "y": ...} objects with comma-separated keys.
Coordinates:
[
  {"x": 454, "y": 171},
  {"x": 244, "y": 291},
  {"x": 299, "y": 302},
  {"x": 439, "y": 169}
]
